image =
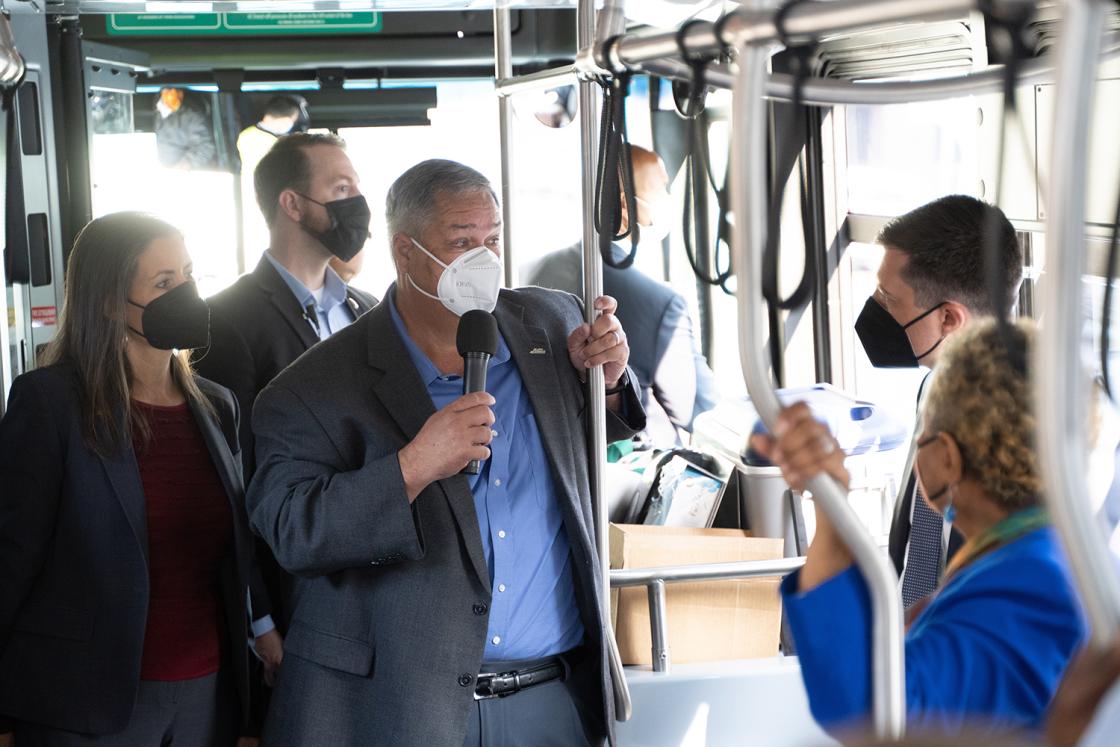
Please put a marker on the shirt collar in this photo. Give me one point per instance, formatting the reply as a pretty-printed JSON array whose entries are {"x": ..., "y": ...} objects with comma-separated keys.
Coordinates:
[
  {"x": 334, "y": 290},
  {"x": 424, "y": 366}
]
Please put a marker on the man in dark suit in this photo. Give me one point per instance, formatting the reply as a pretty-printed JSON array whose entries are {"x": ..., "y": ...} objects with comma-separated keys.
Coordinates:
[
  {"x": 674, "y": 379},
  {"x": 931, "y": 283},
  {"x": 433, "y": 608},
  {"x": 308, "y": 191}
]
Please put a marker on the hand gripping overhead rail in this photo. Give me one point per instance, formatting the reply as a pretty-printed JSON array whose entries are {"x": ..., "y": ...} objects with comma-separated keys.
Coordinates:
[{"x": 1062, "y": 386}]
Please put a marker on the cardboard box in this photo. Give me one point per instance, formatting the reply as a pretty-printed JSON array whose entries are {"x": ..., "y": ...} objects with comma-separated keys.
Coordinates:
[{"x": 709, "y": 620}]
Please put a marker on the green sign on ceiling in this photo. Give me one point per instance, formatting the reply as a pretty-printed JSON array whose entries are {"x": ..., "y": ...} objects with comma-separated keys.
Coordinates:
[{"x": 241, "y": 24}]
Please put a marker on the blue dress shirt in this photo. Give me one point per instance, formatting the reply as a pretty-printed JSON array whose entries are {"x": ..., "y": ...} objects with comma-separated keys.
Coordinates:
[
  {"x": 986, "y": 654},
  {"x": 333, "y": 313},
  {"x": 533, "y": 612}
]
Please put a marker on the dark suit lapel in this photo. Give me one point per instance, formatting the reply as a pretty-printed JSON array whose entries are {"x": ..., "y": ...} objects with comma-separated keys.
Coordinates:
[
  {"x": 407, "y": 401},
  {"x": 228, "y": 470},
  {"x": 280, "y": 295},
  {"x": 536, "y": 359},
  {"x": 124, "y": 476}
]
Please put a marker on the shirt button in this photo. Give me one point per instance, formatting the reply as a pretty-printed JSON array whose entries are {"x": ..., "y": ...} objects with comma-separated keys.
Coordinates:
[
  {"x": 465, "y": 680},
  {"x": 498, "y": 481},
  {"x": 496, "y": 640},
  {"x": 501, "y": 587},
  {"x": 479, "y": 609},
  {"x": 493, "y": 434},
  {"x": 501, "y": 534}
]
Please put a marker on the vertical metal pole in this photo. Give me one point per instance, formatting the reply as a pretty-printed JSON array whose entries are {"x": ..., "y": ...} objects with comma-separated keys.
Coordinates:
[
  {"x": 503, "y": 70},
  {"x": 659, "y": 634},
  {"x": 1062, "y": 383},
  {"x": 10, "y": 69},
  {"x": 748, "y": 199},
  {"x": 6, "y": 372},
  {"x": 592, "y": 289}
]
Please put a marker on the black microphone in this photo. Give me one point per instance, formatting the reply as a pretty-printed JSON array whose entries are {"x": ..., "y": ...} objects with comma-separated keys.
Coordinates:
[{"x": 477, "y": 341}]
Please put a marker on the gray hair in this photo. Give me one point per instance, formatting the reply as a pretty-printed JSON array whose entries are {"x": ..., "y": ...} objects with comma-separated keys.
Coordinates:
[{"x": 411, "y": 202}]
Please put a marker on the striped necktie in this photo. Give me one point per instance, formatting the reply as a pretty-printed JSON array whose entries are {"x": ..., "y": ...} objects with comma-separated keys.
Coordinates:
[{"x": 922, "y": 570}]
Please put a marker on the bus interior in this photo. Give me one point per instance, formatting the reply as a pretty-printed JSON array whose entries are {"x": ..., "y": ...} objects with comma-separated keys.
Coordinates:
[{"x": 502, "y": 86}]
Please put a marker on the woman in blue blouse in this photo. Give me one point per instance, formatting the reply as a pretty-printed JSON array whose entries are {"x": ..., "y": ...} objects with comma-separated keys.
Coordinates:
[{"x": 987, "y": 649}]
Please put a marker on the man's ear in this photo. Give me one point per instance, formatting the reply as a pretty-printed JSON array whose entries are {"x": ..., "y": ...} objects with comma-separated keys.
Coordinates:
[
  {"x": 291, "y": 205},
  {"x": 954, "y": 316},
  {"x": 401, "y": 248}
]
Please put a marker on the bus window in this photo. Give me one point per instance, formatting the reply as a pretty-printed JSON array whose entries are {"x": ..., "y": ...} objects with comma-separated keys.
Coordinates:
[
  {"x": 126, "y": 174},
  {"x": 902, "y": 156}
]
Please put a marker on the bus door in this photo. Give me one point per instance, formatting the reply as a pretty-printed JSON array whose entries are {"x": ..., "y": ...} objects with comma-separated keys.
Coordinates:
[{"x": 32, "y": 270}]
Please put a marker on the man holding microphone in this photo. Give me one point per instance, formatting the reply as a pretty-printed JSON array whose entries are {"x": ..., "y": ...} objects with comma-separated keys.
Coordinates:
[{"x": 432, "y": 607}]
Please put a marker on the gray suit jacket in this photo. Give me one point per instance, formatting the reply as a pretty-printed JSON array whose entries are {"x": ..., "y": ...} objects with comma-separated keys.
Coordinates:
[
  {"x": 391, "y": 601},
  {"x": 675, "y": 381}
]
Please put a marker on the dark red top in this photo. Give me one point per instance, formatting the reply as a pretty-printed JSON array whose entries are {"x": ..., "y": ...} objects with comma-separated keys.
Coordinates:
[{"x": 190, "y": 532}]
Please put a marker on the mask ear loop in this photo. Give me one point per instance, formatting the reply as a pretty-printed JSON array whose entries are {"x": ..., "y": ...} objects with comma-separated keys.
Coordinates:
[{"x": 435, "y": 259}]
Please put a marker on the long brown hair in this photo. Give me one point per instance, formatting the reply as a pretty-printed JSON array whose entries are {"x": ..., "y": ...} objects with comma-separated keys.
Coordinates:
[{"x": 92, "y": 331}]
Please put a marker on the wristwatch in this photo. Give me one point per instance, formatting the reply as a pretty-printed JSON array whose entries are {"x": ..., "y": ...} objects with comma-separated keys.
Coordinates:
[{"x": 621, "y": 385}]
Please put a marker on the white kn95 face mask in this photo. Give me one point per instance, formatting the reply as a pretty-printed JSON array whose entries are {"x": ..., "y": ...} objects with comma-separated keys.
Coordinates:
[{"x": 471, "y": 282}]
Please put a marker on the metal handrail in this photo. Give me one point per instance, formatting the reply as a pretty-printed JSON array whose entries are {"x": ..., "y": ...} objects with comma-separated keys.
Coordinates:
[
  {"x": 507, "y": 85},
  {"x": 748, "y": 198},
  {"x": 753, "y": 26},
  {"x": 655, "y": 579},
  {"x": 503, "y": 68},
  {"x": 597, "y": 420},
  {"x": 834, "y": 92},
  {"x": 1062, "y": 384},
  {"x": 672, "y": 574},
  {"x": 11, "y": 61}
]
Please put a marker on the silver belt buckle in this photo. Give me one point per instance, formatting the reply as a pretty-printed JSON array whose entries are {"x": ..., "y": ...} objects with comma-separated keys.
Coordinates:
[{"x": 490, "y": 679}]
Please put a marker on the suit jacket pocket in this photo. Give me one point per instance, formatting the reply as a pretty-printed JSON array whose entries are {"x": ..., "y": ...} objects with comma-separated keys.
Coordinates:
[
  {"x": 328, "y": 649},
  {"x": 54, "y": 622}
]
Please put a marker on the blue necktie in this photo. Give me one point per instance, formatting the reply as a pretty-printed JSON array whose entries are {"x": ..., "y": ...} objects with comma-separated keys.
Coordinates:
[{"x": 923, "y": 553}]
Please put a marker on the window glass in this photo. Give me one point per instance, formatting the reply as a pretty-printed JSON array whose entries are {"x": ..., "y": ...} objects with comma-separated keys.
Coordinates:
[
  {"x": 1105, "y": 430},
  {"x": 902, "y": 156},
  {"x": 876, "y": 478},
  {"x": 126, "y": 174}
]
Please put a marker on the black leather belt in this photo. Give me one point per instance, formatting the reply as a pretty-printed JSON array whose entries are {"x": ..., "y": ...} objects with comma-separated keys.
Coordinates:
[{"x": 500, "y": 685}]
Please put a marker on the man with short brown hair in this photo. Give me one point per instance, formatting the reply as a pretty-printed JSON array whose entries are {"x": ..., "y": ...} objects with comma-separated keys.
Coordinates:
[{"x": 308, "y": 191}]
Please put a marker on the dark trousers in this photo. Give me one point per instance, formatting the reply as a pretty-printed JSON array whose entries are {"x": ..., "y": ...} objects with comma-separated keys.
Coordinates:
[
  {"x": 189, "y": 713},
  {"x": 565, "y": 712}
]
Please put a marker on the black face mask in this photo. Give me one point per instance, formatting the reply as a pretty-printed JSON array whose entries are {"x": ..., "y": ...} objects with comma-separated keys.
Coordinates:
[
  {"x": 349, "y": 226},
  {"x": 885, "y": 340},
  {"x": 177, "y": 320}
]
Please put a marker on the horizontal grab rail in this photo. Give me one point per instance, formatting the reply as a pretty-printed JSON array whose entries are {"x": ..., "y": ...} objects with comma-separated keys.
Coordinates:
[
  {"x": 655, "y": 579},
  {"x": 836, "y": 92},
  {"x": 621, "y": 578},
  {"x": 541, "y": 80},
  {"x": 755, "y": 26}
]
